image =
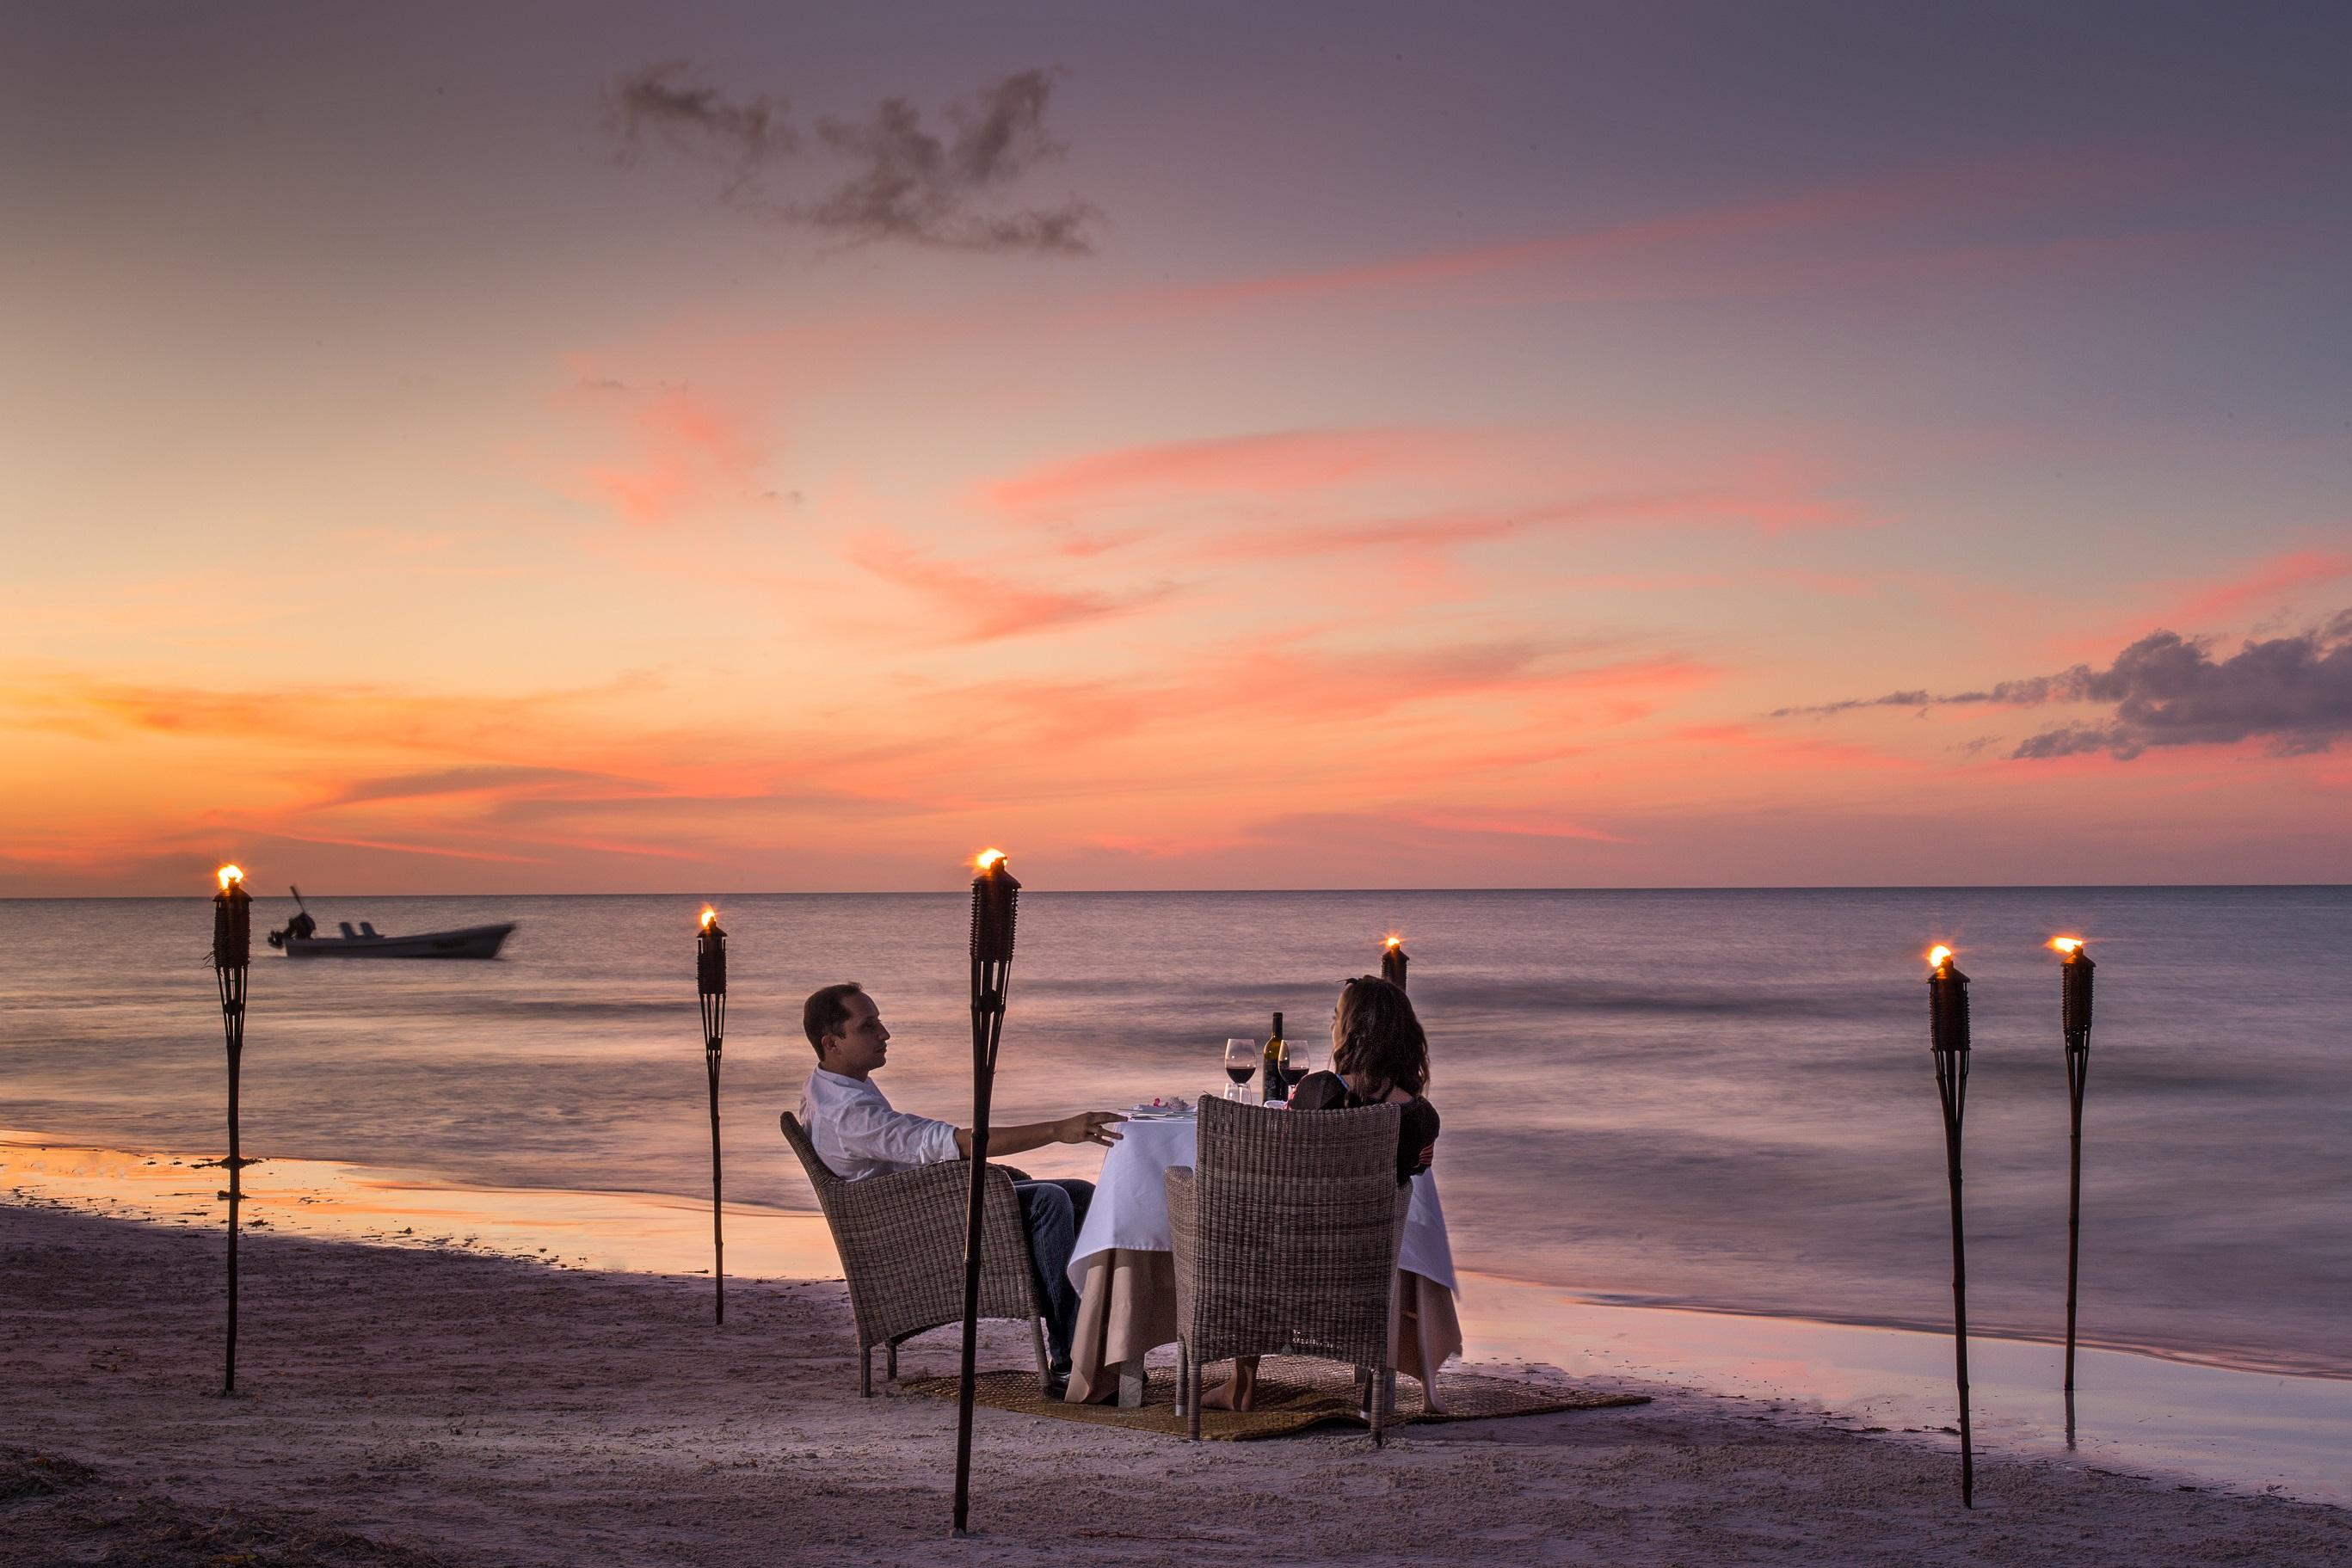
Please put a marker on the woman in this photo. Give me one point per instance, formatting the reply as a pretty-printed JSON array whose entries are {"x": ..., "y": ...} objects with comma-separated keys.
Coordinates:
[{"x": 1379, "y": 1057}]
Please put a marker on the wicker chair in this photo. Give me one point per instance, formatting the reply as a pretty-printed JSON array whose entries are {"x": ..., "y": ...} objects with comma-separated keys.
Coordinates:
[
  {"x": 1285, "y": 1239},
  {"x": 901, "y": 1237}
]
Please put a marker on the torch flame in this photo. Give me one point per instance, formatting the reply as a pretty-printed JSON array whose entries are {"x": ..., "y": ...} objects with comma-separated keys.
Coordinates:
[
  {"x": 1394, "y": 941},
  {"x": 230, "y": 876},
  {"x": 2066, "y": 943},
  {"x": 1939, "y": 955},
  {"x": 709, "y": 917},
  {"x": 986, "y": 860}
]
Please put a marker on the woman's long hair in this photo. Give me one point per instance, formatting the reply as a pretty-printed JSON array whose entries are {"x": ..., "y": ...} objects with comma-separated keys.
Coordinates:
[{"x": 1379, "y": 1039}]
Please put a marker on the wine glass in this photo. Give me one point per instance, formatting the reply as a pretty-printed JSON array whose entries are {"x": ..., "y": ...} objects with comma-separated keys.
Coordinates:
[
  {"x": 1297, "y": 1061},
  {"x": 1241, "y": 1061}
]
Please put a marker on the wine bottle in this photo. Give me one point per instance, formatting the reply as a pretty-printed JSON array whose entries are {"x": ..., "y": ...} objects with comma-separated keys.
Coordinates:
[{"x": 1278, "y": 1087}]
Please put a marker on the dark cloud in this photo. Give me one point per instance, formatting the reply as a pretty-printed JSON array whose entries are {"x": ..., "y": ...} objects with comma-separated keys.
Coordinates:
[
  {"x": 664, "y": 101},
  {"x": 2169, "y": 690},
  {"x": 912, "y": 185},
  {"x": 905, "y": 181},
  {"x": 2028, "y": 693},
  {"x": 2295, "y": 691}
]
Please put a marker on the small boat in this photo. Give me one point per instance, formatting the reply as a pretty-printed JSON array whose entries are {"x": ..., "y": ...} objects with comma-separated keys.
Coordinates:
[
  {"x": 300, "y": 940},
  {"x": 367, "y": 942}
]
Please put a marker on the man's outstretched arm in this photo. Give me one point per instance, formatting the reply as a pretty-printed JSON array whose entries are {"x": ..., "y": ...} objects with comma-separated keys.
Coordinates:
[{"x": 1085, "y": 1128}]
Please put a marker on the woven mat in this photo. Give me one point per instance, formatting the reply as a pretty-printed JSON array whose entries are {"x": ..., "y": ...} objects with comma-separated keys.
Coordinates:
[{"x": 1294, "y": 1393}]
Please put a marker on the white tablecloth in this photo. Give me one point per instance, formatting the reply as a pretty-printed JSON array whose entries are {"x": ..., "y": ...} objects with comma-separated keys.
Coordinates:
[{"x": 1131, "y": 1203}]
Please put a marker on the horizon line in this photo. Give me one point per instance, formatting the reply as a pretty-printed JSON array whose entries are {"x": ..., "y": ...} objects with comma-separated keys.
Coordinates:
[{"x": 1261, "y": 891}]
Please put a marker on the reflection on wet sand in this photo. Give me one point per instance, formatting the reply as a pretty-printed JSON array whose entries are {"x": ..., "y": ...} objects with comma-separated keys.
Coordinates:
[
  {"x": 2132, "y": 1411},
  {"x": 639, "y": 1232}
]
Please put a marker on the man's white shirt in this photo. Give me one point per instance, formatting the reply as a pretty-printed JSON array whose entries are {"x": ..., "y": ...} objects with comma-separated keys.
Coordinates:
[{"x": 856, "y": 1134}]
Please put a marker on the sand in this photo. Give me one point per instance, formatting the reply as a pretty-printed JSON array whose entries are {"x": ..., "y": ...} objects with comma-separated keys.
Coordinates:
[{"x": 411, "y": 1407}]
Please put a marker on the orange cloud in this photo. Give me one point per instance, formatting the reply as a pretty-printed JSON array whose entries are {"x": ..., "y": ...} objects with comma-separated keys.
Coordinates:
[{"x": 379, "y": 717}]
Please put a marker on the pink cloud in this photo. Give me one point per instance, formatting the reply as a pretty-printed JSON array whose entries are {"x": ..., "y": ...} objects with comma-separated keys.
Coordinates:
[
  {"x": 1306, "y": 493},
  {"x": 1276, "y": 462},
  {"x": 1722, "y": 242},
  {"x": 2194, "y": 606},
  {"x": 967, "y": 604},
  {"x": 2259, "y": 586},
  {"x": 1462, "y": 692},
  {"x": 1519, "y": 823},
  {"x": 685, "y": 455},
  {"x": 1166, "y": 847}
]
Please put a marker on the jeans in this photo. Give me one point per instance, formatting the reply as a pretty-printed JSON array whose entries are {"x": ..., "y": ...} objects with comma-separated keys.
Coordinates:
[{"x": 1052, "y": 1212}]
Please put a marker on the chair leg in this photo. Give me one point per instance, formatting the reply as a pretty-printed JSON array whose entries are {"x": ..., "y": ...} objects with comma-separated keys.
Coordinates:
[
  {"x": 1037, "y": 1344},
  {"x": 866, "y": 1372},
  {"x": 1192, "y": 1398},
  {"x": 891, "y": 1363},
  {"x": 1183, "y": 1377}
]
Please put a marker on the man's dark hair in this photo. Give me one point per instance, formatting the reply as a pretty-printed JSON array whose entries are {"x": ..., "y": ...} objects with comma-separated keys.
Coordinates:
[{"x": 826, "y": 1011}]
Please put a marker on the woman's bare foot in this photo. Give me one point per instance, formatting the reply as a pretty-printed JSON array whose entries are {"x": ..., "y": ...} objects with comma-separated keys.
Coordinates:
[{"x": 1239, "y": 1392}]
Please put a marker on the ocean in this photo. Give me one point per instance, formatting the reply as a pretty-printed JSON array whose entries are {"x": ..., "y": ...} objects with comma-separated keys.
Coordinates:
[{"x": 1716, "y": 1098}]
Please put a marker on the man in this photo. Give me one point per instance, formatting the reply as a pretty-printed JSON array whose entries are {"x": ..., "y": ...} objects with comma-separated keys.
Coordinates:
[{"x": 857, "y": 1135}]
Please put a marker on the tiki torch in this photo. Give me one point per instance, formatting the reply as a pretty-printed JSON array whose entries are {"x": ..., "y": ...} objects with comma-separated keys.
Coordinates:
[
  {"x": 994, "y": 895},
  {"x": 2074, "y": 1020},
  {"x": 1392, "y": 961},
  {"x": 1948, "y": 1038},
  {"x": 232, "y": 959},
  {"x": 710, "y": 980}
]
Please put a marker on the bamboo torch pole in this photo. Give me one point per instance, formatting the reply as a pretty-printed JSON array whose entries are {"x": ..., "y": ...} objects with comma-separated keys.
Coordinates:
[
  {"x": 994, "y": 895},
  {"x": 710, "y": 980},
  {"x": 2074, "y": 1020},
  {"x": 232, "y": 959},
  {"x": 1948, "y": 1038}
]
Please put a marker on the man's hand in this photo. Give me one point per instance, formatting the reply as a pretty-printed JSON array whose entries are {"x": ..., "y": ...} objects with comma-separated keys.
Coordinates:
[
  {"x": 1088, "y": 1127},
  {"x": 1085, "y": 1128},
  {"x": 1428, "y": 1154}
]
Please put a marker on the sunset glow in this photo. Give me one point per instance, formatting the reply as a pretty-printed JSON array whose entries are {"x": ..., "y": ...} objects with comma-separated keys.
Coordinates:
[{"x": 1529, "y": 455}]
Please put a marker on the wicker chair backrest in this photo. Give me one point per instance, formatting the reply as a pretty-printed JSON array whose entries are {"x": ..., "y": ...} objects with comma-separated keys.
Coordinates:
[
  {"x": 1299, "y": 1216},
  {"x": 821, "y": 1176},
  {"x": 901, "y": 1238}
]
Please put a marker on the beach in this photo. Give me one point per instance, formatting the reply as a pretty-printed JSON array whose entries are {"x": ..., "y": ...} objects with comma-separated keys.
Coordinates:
[
  {"x": 476, "y": 1328},
  {"x": 412, "y": 1406}
]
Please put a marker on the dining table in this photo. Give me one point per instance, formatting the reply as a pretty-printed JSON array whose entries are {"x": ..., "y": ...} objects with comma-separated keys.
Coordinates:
[{"x": 1124, "y": 1267}]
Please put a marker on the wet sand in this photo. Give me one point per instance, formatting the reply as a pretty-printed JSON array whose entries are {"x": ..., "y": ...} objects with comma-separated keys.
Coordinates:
[{"x": 414, "y": 1405}]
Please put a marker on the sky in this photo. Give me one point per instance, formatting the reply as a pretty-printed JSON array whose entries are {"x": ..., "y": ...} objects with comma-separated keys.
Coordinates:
[{"x": 578, "y": 448}]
